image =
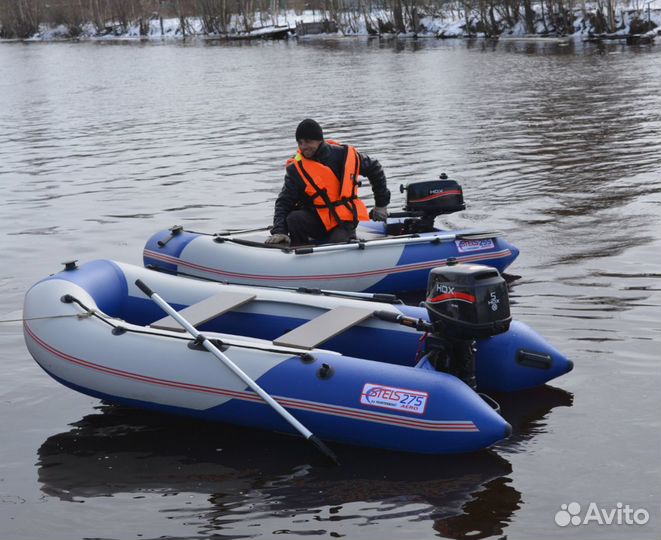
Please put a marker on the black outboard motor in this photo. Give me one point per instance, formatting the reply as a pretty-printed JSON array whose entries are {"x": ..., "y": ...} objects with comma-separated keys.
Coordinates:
[
  {"x": 465, "y": 303},
  {"x": 424, "y": 201}
]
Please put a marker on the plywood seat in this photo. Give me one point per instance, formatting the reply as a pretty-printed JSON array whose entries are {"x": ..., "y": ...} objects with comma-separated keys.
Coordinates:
[
  {"x": 209, "y": 308},
  {"x": 322, "y": 328}
]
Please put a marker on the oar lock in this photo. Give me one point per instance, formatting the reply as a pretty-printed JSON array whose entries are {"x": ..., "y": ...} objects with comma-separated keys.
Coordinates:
[
  {"x": 326, "y": 371},
  {"x": 197, "y": 344},
  {"x": 174, "y": 231},
  {"x": 69, "y": 299},
  {"x": 307, "y": 358},
  {"x": 70, "y": 265}
]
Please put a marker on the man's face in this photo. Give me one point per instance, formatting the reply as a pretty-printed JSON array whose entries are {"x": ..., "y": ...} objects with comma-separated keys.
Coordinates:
[{"x": 308, "y": 147}]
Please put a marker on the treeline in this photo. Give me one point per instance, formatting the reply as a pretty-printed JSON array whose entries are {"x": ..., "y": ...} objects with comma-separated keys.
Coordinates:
[{"x": 22, "y": 18}]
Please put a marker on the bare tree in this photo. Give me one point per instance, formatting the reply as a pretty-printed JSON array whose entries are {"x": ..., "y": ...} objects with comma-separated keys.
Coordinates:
[
  {"x": 122, "y": 12},
  {"x": 611, "y": 16},
  {"x": 183, "y": 9},
  {"x": 211, "y": 13},
  {"x": 468, "y": 8},
  {"x": 97, "y": 12},
  {"x": 529, "y": 16},
  {"x": 21, "y": 18},
  {"x": 398, "y": 16}
]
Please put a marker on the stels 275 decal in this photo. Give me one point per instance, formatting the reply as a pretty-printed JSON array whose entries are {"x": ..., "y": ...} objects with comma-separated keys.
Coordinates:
[
  {"x": 390, "y": 397},
  {"x": 466, "y": 246}
]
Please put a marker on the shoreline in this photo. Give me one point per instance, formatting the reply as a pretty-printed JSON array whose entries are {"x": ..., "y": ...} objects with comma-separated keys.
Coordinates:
[{"x": 644, "y": 25}]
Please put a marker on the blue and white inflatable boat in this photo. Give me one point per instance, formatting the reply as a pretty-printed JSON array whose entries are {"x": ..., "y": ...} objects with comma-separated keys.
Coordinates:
[
  {"x": 377, "y": 262},
  {"x": 350, "y": 370},
  {"x": 385, "y": 257}
]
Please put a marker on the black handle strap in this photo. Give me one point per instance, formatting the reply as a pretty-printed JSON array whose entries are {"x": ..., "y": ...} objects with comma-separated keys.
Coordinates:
[{"x": 143, "y": 287}]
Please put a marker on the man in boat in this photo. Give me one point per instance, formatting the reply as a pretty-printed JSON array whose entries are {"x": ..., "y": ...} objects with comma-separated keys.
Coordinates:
[{"x": 319, "y": 199}]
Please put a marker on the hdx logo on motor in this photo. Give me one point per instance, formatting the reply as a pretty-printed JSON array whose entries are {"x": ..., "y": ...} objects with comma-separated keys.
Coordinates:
[
  {"x": 493, "y": 301},
  {"x": 444, "y": 289}
]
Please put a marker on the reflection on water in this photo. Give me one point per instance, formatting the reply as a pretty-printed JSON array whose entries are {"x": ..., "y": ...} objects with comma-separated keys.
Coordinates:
[
  {"x": 251, "y": 476},
  {"x": 527, "y": 413}
]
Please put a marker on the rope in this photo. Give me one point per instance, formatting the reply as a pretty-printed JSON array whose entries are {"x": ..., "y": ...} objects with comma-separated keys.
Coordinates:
[
  {"x": 77, "y": 315},
  {"x": 94, "y": 313}
]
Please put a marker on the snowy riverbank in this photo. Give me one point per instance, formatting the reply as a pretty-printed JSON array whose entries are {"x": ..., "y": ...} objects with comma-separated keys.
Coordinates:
[{"x": 636, "y": 17}]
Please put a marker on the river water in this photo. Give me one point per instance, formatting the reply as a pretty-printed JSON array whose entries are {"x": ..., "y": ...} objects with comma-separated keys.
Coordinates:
[{"x": 557, "y": 146}]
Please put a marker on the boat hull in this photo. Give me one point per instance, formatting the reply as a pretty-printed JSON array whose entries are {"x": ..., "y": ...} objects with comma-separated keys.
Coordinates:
[
  {"x": 500, "y": 365},
  {"x": 384, "y": 268},
  {"x": 361, "y": 401}
]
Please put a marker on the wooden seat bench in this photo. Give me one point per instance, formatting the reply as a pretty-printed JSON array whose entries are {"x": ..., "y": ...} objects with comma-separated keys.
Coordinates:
[
  {"x": 328, "y": 325},
  {"x": 209, "y": 308}
]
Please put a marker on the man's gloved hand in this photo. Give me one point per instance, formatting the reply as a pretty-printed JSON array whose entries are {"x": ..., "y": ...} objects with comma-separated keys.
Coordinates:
[
  {"x": 278, "y": 239},
  {"x": 379, "y": 213}
]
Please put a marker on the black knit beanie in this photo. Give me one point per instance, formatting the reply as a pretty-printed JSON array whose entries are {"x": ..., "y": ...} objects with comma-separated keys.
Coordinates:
[{"x": 309, "y": 129}]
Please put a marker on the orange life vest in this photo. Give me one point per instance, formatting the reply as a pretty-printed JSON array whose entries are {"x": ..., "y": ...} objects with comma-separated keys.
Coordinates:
[{"x": 335, "y": 200}]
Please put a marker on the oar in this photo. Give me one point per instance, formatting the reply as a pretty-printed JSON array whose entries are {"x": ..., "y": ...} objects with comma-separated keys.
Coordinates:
[
  {"x": 392, "y": 241},
  {"x": 237, "y": 371},
  {"x": 376, "y": 297},
  {"x": 230, "y": 232},
  {"x": 437, "y": 238}
]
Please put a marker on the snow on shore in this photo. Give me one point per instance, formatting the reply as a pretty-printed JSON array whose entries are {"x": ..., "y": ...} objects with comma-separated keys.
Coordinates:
[{"x": 441, "y": 26}]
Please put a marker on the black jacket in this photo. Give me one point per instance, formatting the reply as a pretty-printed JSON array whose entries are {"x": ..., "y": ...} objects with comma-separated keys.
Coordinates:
[{"x": 293, "y": 194}]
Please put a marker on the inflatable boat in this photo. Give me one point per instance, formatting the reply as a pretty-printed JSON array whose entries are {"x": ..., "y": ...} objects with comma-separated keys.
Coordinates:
[
  {"x": 385, "y": 257},
  {"x": 374, "y": 374}
]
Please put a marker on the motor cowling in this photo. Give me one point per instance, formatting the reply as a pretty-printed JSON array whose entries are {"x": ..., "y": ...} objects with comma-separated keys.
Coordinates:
[
  {"x": 424, "y": 201},
  {"x": 464, "y": 303},
  {"x": 468, "y": 302},
  {"x": 434, "y": 197}
]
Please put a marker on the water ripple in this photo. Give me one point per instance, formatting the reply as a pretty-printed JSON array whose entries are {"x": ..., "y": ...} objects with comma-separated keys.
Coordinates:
[{"x": 103, "y": 144}]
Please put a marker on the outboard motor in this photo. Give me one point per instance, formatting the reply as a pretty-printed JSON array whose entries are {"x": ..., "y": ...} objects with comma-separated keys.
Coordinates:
[
  {"x": 465, "y": 303},
  {"x": 424, "y": 201}
]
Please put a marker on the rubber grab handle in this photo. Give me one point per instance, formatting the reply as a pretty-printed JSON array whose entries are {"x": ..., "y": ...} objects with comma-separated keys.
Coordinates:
[
  {"x": 386, "y": 298},
  {"x": 141, "y": 285},
  {"x": 418, "y": 324},
  {"x": 388, "y": 316}
]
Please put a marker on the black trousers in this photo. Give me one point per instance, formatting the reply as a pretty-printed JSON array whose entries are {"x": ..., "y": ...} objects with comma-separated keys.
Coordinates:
[{"x": 305, "y": 227}]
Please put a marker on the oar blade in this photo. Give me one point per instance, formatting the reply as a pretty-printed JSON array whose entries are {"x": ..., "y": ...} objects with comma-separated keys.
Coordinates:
[{"x": 324, "y": 449}]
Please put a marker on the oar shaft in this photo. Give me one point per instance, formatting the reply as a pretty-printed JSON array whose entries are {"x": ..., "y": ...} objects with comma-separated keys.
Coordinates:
[
  {"x": 230, "y": 232},
  {"x": 238, "y": 372},
  {"x": 440, "y": 237},
  {"x": 231, "y": 365},
  {"x": 448, "y": 237}
]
